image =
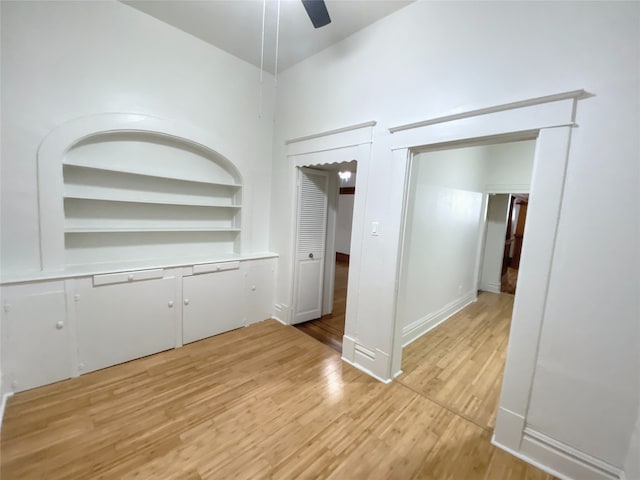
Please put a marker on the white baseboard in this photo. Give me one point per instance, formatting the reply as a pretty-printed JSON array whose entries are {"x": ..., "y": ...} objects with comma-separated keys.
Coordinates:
[
  {"x": 367, "y": 371},
  {"x": 559, "y": 459},
  {"x": 530, "y": 461},
  {"x": 416, "y": 329},
  {"x": 371, "y": 361},
  {"x": 3, "y": 404},
  {"x": 491, "y": 287},
  {"x": 281, "y": 313},
  {"x": 508, "y": 429},
  {"x": 279, "y": 320}
]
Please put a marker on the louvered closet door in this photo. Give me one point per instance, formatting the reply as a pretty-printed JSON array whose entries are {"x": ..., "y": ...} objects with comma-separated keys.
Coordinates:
[{"x": 310, "y": 244}]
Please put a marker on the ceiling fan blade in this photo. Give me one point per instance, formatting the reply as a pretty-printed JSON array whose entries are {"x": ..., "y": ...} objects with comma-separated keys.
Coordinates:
[{"x": 317, "y": 11}]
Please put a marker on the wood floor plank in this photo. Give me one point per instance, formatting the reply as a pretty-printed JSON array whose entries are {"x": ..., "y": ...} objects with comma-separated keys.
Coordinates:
[
  {"x": 268, "y": 401},
  {"x": 460, "y": 363}
]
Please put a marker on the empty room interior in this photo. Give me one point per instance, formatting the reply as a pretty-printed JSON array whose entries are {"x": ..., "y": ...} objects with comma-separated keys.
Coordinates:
[{"x": 320, "y": 239}]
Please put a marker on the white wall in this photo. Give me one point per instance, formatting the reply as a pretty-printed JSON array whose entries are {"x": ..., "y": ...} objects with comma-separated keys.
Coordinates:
[
  {"x": 444, "y": 222},
  {"x": 510, "y": 166},
  {"x": 344, "y": 216},
  {"x": 343, "y": 223},
  {"x": 496, "y": 227},
  {"x": 62, "y": 60},
  {"x": 437, "y": 58}
]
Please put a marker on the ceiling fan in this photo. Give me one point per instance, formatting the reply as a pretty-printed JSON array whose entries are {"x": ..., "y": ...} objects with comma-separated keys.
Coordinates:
[{"x": 317, "y": 11}]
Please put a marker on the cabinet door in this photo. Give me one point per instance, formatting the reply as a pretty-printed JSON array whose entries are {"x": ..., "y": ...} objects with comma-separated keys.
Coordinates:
[
  {"x": 260, "y": 289},
  {"x": 36, "y": 346},
  {"x": 117, "y": 323},
  {"x": 213, "y": 303}
]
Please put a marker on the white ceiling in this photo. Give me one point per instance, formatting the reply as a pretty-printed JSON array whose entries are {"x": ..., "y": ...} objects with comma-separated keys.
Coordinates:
[{"x": 236, "y": 25}]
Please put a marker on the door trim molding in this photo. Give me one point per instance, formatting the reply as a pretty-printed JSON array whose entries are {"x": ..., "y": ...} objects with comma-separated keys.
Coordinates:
[
  {"x": 550, "y": 119},
  {"x": 571, "y": 95},
  {"x": 340, "y": 138},
  {"x": 327, "y": 148},
  {"x": 328, "y": 133}
]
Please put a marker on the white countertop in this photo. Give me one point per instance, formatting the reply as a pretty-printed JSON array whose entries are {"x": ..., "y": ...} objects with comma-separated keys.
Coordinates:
[{"x": 101, "y": 268}]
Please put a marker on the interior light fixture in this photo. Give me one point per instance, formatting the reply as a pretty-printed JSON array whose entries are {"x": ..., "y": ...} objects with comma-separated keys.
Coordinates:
[{"x": 344, "y": 176}]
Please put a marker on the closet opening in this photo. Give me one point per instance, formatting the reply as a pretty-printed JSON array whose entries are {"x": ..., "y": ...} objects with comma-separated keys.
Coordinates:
[{"x": 324, "y": 218}]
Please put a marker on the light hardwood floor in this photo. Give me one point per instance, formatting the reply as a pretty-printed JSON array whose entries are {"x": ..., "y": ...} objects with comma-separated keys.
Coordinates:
[
  {"x": 460, "y": 363},
  {"x": 268, "y": 401}
]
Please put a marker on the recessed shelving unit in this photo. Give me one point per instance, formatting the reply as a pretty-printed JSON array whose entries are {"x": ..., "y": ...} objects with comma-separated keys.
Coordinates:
[
  {"x": 150, "y": 229},
  {"x": 132, "y": 195},
  {"x": 78, "y": 195},
  {"x": 126, "y": 171}
]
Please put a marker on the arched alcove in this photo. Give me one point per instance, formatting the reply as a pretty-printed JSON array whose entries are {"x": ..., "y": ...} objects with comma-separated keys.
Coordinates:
[{"x": 122, "y": 188}]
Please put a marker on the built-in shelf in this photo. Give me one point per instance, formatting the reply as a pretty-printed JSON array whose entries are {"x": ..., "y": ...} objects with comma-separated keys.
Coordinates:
[
  {"x": 146, "y": 229},
  {"x": 135, "y": 199},
  {"x": 150, "y": 175},
  {"x": 130, "y": 188},
  {"x": 131, "y": 195}
]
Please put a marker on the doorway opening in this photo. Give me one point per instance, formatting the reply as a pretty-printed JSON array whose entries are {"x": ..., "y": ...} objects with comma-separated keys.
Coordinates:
[
  {"x": 327, "y": 323},
  {"x": 455, "y": 229},
  {"x": 516, "y": 221},
  {"x": 455, "y": 318},
  {"x": 550, "y": 120},
  {"x": 503, "y": 240}
]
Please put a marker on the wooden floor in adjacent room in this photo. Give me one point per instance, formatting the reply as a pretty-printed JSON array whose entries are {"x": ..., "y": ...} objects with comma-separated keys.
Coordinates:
[
  {"x": 460, "y": 363},
  {"x": 329, "y": 329},
  {"x": 268, "y": 401}
]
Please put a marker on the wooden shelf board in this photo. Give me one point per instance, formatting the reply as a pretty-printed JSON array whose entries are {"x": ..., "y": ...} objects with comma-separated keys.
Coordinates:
[
  {"x": 148, "y": 229},
  {"x": 194, "y": 203},
  {"x": 164, "y": 177}
]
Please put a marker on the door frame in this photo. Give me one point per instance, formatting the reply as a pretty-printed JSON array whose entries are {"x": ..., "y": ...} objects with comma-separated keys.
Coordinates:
[
  {"x": 551, "y": 119},
  {"x": 346, "y": 144},
  {"x": 329, "y": 269},
  {"x": 483, "y": 241}
]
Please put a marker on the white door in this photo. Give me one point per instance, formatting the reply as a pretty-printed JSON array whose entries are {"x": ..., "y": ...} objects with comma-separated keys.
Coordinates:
[{"x": 311, "y": 232}]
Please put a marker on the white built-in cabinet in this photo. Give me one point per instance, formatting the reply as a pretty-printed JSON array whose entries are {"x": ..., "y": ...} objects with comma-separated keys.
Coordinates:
[
  {"x": 36, "y": 340},
  {"x": 259, "y": 290},
  {"x": 57, "y": 329},
  {"x": 117, "y": 323},
  {"x": 207, "y": 296},
  {"x": 140, "y": 227}
]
